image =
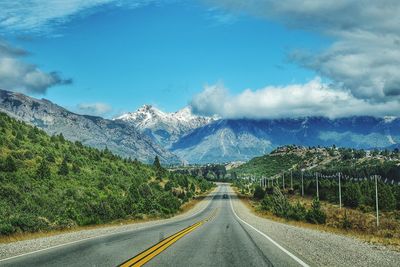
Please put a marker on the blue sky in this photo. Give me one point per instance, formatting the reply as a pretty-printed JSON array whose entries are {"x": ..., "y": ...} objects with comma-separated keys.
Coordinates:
[
  {"x": 172, "y": 53},
  {"x": 162, "y": 55}
]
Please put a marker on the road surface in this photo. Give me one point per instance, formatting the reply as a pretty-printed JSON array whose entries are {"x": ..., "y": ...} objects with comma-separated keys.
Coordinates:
[{"x": 215, "y": 236}]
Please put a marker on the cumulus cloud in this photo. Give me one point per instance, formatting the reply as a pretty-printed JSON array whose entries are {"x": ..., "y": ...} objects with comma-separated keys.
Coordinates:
[
  {"x": 96, "y": 109},
  {"x": 365, "y": 54},
  {"x": 16, "y": 75},
  {"x": 314, "y": 98},
  {"x": 41, "y": 15}
]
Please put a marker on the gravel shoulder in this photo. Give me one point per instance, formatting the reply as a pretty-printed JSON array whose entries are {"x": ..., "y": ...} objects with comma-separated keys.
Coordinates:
[
  {"x": 26, "y": 246},
  {"x": 320, "y": 248}
]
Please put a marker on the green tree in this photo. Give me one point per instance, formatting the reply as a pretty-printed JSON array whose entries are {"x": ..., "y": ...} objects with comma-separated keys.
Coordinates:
[
  {"x": 160, "y": 171},
  {"x": 259, "y": 193},
  {"x": 352, "y": 195},
  {"x": 76, "y": 168},
  {"x": 63, "y": 170},
  {"x": 192, "y": 188},
  {"x": 387, "y": 200},
  {"x": 10, "y": 164},
  {"x": 43, "y": 170},
  {"x": 156, "y": 163},
  {"x": 316, "y": 214}
]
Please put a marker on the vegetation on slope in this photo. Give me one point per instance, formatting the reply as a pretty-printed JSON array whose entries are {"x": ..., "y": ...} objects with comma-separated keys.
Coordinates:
[
  {"x": 49, "y": 183},
  {"x": 327, "y": 161},
  {"x": 357, "y": 188}
]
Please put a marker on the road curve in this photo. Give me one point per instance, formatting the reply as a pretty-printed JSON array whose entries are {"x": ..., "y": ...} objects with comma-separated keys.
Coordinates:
[{"x": 216, "y": 236}]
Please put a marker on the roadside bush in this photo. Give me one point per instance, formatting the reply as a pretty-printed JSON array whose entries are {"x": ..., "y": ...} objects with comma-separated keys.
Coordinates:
[
  {"x": 266, "y": 203},
  {"x": 297, "y": 212},
  {"x": 280, "y": 205},
  {"x": 352, "y": 195},
  {"x": 259, "y": 193},
  {"x": 6, "y": 228},
  {"x": 315, "y": 214},
  {"x": 346, "y": 224}
]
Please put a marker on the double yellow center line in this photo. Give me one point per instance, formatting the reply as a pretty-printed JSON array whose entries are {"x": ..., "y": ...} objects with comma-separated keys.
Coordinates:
[{"x": 153, "y": 251}]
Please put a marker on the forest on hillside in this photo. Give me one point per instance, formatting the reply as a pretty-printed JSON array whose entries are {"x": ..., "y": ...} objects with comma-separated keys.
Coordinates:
[{"x": 47, "y": 183}]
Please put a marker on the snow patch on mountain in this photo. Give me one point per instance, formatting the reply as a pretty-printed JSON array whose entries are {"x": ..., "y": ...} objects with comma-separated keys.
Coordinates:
[{"x": 165, "y": 128}]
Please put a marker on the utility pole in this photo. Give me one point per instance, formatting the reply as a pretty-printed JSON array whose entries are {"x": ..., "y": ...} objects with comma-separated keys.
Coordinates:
[
  {"x": 376, "y": 201},
  {"x": 340, "y": 194},
  {"x": 316, "y": 177},
  {"x": 302, "y": 183},
  {"x": 268, "y": 182},
  {"x": 283, "y": 180}
]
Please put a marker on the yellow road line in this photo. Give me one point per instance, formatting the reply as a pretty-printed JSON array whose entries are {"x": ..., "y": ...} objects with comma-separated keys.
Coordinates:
[{"x": 153, "y": 251}]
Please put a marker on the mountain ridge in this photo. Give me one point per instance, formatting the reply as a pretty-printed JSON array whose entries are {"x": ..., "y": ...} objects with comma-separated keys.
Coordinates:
[
  {"x": 243, "y": 139},
  {"x": 164, "y": 128},
  {"x": 121, "y": 138}
]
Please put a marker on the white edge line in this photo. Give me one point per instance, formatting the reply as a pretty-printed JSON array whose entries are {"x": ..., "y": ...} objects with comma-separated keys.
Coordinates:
[
  {"x": 99, "y": 236},
  {"x": 299, "y": 261}
]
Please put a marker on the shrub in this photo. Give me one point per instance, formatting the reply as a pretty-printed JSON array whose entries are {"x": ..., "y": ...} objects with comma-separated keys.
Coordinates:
[
  {"x": 352, "y": 195},
  {"x": 346, "y": 224},
  {"x": 259, "y": 193},
  {"x": 266, "y": 203},
  {"x": 280, "y": 205},
  {"x": 10, "y": 164},
  {"x": 63, "y": 170},
  {"x": 297, "y": 212},
  {"x": 315, "y": 214},
  {"x": 43, "y": 171}
]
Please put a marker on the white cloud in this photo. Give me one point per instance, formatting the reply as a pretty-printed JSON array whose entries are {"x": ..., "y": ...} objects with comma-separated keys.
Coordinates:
[
  {"x": 365, "y": 54},
  {"x": 296, "y": 100},
  {"x": 96, "y": 109},
  {"x": 16, "y": 75}
]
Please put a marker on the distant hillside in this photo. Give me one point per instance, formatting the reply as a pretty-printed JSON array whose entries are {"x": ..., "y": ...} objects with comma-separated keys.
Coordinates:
[
  {"x": 324, "y": 160},
  {"x": 121, "y": 138},
  {"x": 49, "y": 183},
  {"x": 243, "y": 139}
]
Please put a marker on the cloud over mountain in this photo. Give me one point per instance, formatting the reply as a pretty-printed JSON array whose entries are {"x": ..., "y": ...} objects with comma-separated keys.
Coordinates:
[
  {"x": 96, "y": 109},
  {"x": 314, "y": 98}
]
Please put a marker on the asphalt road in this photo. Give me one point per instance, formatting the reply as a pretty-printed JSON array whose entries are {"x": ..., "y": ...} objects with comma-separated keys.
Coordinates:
[{"x": 218, "y": 237}]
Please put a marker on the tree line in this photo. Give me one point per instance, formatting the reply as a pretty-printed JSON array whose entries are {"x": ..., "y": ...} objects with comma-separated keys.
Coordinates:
[{"x": 47, "y": 182}]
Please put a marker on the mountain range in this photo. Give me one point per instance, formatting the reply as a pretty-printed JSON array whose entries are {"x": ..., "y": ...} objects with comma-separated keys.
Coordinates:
[
  {"x": 119, "y": 137},
  {"x": 185, "y": 137},
  {"x": 199, "y": 139}
]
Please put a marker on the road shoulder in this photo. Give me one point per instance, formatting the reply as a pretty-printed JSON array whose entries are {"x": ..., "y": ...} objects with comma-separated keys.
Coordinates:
[
  {"x": 320, "y": 248},
  {"x": 17, "y": 248}
]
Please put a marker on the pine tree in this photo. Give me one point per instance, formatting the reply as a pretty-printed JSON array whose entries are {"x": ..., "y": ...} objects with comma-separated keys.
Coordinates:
[
  {"x": 43, "y": 171},
  {"x": 63, "y": 168},
  {"x": 10, "y": 164},
  {"x": 76, "y": 168},
  {"x": 61, "y": 138},
  {"x": 160, "y": 171},
  {"x": 157, "y": 163},
  {"x": 352, "y": 195}
]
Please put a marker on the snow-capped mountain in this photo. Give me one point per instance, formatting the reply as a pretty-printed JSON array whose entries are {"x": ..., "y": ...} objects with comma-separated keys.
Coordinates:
[
  {"x": 165, "y": 128},
  {"x": 198, "y": 139}
]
